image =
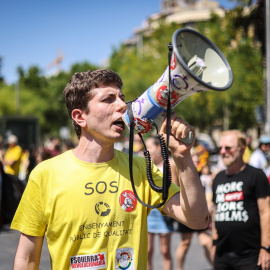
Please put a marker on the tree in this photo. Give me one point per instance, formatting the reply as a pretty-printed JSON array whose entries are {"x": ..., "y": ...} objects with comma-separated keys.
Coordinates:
[
  {"x": 1, "y": 76},
  {"x": 7, "y": 100},
  {"x": 235, "y": 38},
  {"x": 141, "y": 66},
  {"x": 41, "y": 97}
]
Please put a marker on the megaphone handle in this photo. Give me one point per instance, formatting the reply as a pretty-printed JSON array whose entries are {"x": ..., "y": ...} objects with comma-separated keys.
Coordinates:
[{"x": 188, "y": 140}]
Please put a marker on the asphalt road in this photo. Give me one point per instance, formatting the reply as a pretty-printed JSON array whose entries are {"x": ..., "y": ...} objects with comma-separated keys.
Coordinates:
[{"x": 9, "y": 240}]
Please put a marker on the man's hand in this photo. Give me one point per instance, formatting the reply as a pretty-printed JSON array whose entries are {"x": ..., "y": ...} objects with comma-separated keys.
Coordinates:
[
  {"x": 179, "y": 130},
  {"x": 189, "y": 206},
  {"x": 264, "y": 259}
]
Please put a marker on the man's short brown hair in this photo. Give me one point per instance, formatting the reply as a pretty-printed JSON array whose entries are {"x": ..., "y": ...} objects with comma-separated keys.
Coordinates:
[{"x": 78, "y": 91}]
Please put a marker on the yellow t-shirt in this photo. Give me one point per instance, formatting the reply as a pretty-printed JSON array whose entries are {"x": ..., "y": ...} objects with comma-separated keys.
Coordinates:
[
  {"x": 88, "y": 211},
  {"x": 13, "y": 154},
  {"x": 247, "y": 154}
]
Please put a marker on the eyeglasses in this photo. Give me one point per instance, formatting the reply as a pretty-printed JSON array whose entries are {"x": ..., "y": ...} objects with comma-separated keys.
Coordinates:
[{"x": 227, "y": 148}]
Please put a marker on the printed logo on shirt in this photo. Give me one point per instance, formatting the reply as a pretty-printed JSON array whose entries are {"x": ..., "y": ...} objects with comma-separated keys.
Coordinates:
[
  {"x": 102, "y": 209},
  {"x": 234, "y": 196},
  {"x": 124, "y": 259},
  {"x": 128, "y": 201},
  {"x": 89, "y": 262},
  {"x": 230, "y": 204}
]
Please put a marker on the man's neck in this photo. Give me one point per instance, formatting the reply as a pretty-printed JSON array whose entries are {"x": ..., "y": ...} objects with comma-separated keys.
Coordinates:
[
  {"x": 94, "y": 152},
  {"x": 236, "y": 168}
]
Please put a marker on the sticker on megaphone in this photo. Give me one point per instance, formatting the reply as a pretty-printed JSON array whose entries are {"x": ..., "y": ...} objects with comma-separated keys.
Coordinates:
[{"x": 147, "y": 111}]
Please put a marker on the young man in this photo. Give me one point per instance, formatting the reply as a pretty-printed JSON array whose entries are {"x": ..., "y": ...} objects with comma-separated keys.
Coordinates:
[
  {"x": 82, "y": 200},
  {"x": 241, "y": 230}
]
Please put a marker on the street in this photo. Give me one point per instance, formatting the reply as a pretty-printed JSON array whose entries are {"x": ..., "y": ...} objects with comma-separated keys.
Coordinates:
[{"x": 9, "y": 240}]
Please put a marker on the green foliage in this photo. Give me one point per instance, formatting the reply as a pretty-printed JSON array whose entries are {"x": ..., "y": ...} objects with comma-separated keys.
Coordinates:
[
  {"x": 80, "y": 67},
  {"x": 7, "y": 99},
  {"x": 41, "y": 97},
  {"x": 142, "y": 65},
  {"x": 1, "y": 77},
  {"x": 140, "y": 68},
  {"x": 247, "y": 91}
]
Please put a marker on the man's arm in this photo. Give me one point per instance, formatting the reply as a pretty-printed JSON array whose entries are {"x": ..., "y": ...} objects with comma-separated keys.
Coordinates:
[
  {"x": 264, "y": 211},
  {"x": 214, "y": 235},
  {"x": 189, "y": 206},
  {"x": 28, "y": 252}
]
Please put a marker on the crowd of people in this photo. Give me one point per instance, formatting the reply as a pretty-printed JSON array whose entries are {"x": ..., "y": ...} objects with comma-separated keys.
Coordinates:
[
  {"x": 258, "y": 214},
  {"x": 20, "y": 162},
  {"x": 226, "y": 207}
]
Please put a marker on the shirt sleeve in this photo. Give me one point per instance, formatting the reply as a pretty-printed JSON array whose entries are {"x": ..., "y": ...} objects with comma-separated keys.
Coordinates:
[
  {"x": 29, "y": 218},
  {"x": 262, "y": 185}
]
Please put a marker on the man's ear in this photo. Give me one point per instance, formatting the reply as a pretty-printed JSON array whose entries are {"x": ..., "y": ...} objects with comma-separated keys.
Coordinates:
[{"x": 78, "y": 117}]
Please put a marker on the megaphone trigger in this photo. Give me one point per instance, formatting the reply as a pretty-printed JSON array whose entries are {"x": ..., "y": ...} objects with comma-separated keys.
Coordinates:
[{"x": 188, "y": 140}]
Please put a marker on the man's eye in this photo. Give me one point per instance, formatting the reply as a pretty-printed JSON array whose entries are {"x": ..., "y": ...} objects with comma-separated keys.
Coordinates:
[{"x": 109, "y": 99}]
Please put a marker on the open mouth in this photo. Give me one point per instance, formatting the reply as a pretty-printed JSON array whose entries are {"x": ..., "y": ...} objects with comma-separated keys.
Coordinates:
[{"x": 119, "y": 123}]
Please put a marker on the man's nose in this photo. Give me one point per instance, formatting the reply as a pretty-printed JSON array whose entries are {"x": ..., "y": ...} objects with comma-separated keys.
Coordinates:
[{"x": 121, "y": 105}]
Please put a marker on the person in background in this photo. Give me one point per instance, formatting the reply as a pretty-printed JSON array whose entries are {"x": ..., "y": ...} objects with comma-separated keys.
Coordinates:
[
  {"x": 187, "y": 233},
  {"x": 68, "y": 145},
  {"x": 53, "y": 147},
  {"x": 42, "y": 155},
  {"x": 1, "y": 190},
  {"x": 12, "y": 157},
  {"x": 259, "y": 158},
  {"x": 1, "y": 145},
  {"x": 83, "y": 199},
  {"x": 207, "y": 182},
  {"x": 23, "y": 171},
  {"x": 203, "y": 155},
  {"x": 248, "y": 150},
  {"x": 241, "y": 231},
  {"x": 157, "y": 223},
  {"x": 137, "y": 145},
  {"x": 32, "y": 161}
]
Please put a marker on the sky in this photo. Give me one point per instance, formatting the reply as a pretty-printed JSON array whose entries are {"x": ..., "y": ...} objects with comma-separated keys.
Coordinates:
[{"x": 33, "y": 32}]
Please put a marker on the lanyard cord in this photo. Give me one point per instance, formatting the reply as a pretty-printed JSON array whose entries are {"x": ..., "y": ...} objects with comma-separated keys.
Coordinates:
[
  {"x": 166, "y": 167},
  {"x": 164, "y": 150},
  {"x": 131, "y": 140}
]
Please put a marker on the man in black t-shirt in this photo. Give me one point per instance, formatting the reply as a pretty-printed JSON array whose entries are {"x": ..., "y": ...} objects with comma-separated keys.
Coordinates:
[{"x": 241, "y": 222}]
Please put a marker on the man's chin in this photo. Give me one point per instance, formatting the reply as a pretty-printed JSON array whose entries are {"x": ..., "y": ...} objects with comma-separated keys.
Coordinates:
[
  {"x": 226, "y": 162},
  {"x": 119, "y": 137}
]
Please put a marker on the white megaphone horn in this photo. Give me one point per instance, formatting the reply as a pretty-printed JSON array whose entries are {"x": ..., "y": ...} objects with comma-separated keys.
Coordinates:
[{"x": 196, "y": 65}]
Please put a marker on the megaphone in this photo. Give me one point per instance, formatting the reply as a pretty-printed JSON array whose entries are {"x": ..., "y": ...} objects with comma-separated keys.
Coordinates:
[{"x": 196, "y": 65}]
